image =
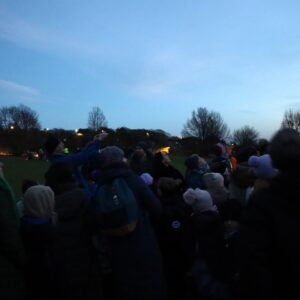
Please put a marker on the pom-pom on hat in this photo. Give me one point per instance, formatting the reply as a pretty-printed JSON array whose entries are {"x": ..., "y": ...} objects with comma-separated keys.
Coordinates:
[
  {"x": 263, "y": 166},
  {"x": 147, "y": 178}
]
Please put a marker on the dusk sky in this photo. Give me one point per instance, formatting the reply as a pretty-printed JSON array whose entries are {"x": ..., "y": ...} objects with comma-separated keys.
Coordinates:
[{"x": 148, "y": 64}]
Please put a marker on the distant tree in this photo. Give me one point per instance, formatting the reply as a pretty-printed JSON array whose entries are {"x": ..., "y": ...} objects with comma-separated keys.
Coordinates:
[
  {"x": 206, "y": 125},
  {"x": 245, "y": 136},
  {"x": 291, "y": 119},
  {"x": 19, "y": 117},
  {"x": 96, "y": 119}
]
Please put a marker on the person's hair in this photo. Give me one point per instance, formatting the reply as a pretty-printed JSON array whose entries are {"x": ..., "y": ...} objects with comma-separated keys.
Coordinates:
[
  {"x": 244, "y": 153},
  {"x": 157, "y": 160},
  {"x": 59, "y": 172},
  {"x": 263, "y": 146},
  {"x": 285, "y": 150},
  {"x": 215, "y": 150}
]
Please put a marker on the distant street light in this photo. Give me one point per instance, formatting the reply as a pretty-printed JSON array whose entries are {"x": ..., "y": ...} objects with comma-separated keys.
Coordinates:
[{"x": 12, "y": 127}]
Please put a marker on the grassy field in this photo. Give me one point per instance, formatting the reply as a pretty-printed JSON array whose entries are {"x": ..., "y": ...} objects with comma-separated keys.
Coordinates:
[{"x": 17, "y": 169}]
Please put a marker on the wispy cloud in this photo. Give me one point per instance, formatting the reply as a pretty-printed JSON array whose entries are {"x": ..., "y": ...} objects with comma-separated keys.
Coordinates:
[
  {"x": 48, "y": 39},
  {"x": 14, "y": 89},
  {"x": 246, "y": 111},
  {"x": 168, "y": 72}
]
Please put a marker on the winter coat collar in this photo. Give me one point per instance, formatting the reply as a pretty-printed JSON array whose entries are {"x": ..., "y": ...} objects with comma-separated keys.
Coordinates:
[{"x": 117, "y": 170}]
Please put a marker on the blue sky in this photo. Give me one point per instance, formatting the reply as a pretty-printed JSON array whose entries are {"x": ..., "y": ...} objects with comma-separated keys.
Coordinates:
[{"x": 148, "y": 64}]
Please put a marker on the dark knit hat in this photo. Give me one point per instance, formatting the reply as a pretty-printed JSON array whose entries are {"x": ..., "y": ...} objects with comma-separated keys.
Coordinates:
[
  {"x": 110, "y": 155},
  {"x": 194, "y": 161},
  {"x": 51, "y": 143}
]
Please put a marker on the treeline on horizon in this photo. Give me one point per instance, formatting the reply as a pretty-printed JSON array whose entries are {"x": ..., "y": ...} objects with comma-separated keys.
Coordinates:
[{"x": 21, "y": 131}]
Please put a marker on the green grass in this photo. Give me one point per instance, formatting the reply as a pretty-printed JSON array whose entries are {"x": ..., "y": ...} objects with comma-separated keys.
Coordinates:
[
  {"x": 178, "y": 162},
  {"x": 17, "y": 169}
]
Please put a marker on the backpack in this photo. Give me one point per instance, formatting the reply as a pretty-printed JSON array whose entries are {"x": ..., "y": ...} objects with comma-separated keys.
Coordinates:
[{"x": 116, "y": 208}]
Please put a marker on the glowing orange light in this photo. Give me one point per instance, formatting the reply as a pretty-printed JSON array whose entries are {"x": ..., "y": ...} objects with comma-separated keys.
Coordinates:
[{"x": 163, "y": 149}]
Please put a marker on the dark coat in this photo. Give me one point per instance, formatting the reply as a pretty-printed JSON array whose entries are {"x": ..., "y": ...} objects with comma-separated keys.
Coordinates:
[
  {"x": 38, "y": 238},
  {"x": 73, "y": 251},
  {"x": 210, "y": 238},
  {"x": 78, "y": 159},
  {"x": 209, "y": 270},
  {"x": 177, "y": 241},
  {"x": 160, "y": 170},
  {"x": 11, "y": 248},
  {"x": 136, "y": 259},
  {"x": 270, "y": 242}
]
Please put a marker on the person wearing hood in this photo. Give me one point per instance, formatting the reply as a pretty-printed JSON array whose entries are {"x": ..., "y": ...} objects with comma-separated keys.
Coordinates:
[
  {"x": 135, "y": 258},
  {"x": 263, "y": 169},
  {"x": 73, "y": 237},
  {"x": 12, "y": 257},
  {"x": 214, "y": 183},
  {"x": 175, "y": 235},
  {"x": 141, "y": 159},
  {"x": 243, "y": 178},
  {"x": 55, "y": 152},
  {"x": 37, "y": 231},
  {"x": 162, "y": 167},
  {"x": 196, "y": 168},
  {"x": 208, "y": 269},
  {"x": 269, "y": 238}
]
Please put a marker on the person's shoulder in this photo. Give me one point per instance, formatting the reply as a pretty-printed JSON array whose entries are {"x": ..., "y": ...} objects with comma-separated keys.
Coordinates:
[
  {"x": 133, "y": 178},
  {"x": 263, "y": 200}
]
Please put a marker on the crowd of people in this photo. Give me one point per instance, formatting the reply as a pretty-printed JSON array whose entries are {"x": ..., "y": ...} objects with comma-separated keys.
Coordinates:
[{"x": 106, "y": 224}]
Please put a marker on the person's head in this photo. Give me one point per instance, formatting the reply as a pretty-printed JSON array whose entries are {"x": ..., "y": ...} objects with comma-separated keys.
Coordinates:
[
  {"x": 168, "y": 186},
  {"x": 213, "y": 180},
  {"x": 27, "y": 183},
  {"x": 60, "y": 172},
  {"x": 194, "y": 161},
  {"x": 285, "y": 150},
  {"x": 110, "y": 156},
  {"x": 244, "y": 153},
  {"x": 263, "y": 146},
  {"x": 216, "y": 150},
  {"x": 39, "y": 201},
  {"x": 262, "y": 166},
  {"x": 54, "y": 145},
  {"x": 140, "y": 151},
  {"x": 141, "y": 147},
  {"x": 199, "y": 200},
  {"x": 162, "y": 158}
]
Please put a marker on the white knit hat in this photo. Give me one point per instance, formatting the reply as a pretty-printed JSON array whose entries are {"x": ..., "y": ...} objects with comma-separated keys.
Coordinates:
[
  {"x": 200, "y": 200},
  {"x": 213, "y": 180}
]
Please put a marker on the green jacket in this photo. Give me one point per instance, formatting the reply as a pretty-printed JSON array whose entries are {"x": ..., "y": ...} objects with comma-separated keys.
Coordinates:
[{"x": 11, "y": 249}]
